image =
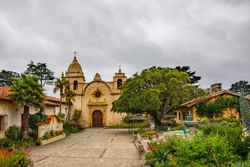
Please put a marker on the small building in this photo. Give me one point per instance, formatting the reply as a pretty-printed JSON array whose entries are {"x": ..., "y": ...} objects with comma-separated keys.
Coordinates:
[
  {"x": 11, "y": 114},
  {"x": 188, "y": 111}
]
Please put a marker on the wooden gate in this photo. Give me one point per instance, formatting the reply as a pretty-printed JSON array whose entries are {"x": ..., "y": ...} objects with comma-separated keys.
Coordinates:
[{"x": 97, "y": 119}]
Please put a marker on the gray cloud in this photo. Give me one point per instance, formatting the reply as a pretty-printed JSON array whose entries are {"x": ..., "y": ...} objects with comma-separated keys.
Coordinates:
[{"x": 212, "y": 36}]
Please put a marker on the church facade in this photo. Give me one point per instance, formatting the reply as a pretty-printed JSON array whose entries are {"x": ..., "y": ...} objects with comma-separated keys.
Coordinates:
[{"x": 94, "y": 99}]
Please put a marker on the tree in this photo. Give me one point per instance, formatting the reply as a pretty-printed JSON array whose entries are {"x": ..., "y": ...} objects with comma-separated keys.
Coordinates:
[
  {"x": 241, "y": 87},
  {"x": 6, "y": 77},
  {"x": 192, "y": 74},
  {"x": 69, "y": 98},
  {"x": 26, "y": 92},
  {"x": 45, "y": 75},
  {"x": 156, "y": 91},
  {"x": 60, "y": 84}
]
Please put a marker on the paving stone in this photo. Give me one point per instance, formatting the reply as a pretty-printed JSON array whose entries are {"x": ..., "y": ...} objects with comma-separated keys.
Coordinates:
[{"x": 90, "y": 148}]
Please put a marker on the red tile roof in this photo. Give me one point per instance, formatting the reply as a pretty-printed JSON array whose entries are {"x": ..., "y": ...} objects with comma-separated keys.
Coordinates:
[
  {"x": 205, "y": 99},
  {"x": 48, "y": 100},
  {"x": 4, "y": 91}
]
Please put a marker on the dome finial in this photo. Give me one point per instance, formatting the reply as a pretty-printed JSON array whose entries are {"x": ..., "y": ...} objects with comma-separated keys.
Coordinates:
[
  {"x": 75, "y": 54},
  {"x": 120, "y": 69}
]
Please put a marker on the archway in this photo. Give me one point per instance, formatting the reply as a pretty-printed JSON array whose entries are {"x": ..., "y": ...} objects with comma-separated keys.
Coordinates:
[{"x": 97, "y": 119}]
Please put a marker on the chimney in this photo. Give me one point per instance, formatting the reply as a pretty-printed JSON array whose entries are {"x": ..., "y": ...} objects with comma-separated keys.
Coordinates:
[{"x": 215, "y": 88}]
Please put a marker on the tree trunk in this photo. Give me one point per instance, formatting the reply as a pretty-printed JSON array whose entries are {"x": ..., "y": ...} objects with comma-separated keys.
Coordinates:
[
  {"x": 156, "y": 121},
  {"x": 69, "y": 112},
  {"x": 60, "y": 109},
  {"x": 25, "y": 122}
]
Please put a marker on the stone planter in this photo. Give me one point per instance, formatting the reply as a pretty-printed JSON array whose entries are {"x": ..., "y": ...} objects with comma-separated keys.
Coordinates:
[{"x": 53, "y": 139}]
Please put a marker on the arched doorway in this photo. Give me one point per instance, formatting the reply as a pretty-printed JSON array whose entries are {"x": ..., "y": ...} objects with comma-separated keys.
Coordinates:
[{"x": 97, "y": 119}]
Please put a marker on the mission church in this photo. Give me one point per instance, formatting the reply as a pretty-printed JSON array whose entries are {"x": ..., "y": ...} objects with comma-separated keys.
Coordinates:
[{"x": 94, "y": 99}]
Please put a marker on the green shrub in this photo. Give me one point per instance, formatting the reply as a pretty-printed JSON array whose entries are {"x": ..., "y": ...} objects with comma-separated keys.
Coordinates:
[
  {"x": 148, "y": 134},
  {"x": 13, "y": 133},
  {"x": 200, "y": 151},
  {"x": 70, "y": 128},
  {"x": 35, "y": 118},
  {"x": 7, "y": 143},
  {"x": 135, "y": 125},
  {"x": 61, "y": 116},
  {"x": 217, "y": 144},
  {"x": 231, "y": 130}
]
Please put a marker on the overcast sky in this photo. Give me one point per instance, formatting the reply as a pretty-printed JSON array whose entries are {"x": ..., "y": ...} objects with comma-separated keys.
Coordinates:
[{"x": 211, "y": 36}]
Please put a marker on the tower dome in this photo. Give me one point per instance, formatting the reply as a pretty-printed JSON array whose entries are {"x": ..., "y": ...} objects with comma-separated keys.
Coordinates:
[
  {"x": 75, "y": 70},
  {"x": 75, "y": 67}
]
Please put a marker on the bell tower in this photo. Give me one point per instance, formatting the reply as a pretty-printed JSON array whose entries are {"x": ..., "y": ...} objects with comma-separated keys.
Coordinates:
[
  {"x": 76, "y": 79},
  {"x": 119, "y": 79},
  {"x": 75, "y": 76}
]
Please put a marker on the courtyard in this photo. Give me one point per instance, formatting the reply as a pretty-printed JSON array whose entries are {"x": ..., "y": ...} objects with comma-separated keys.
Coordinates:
[{"x": 96, "y": 147}]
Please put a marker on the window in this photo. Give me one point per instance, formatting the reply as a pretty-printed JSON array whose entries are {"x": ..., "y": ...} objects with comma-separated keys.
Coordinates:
[
  {"x": 188, "y": 116},
  {"x": 2, "y": 122},
  {"x": 75, "y": 86},
  {"x": 119, "y": 83},
  {"x": 179, "y": 115}
]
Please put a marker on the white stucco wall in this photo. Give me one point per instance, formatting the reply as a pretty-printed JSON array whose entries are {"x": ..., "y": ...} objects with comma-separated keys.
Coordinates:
[{"x": 11, "y": 113}]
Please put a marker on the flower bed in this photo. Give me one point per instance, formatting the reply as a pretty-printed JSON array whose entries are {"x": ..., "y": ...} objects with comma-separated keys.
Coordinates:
[
  {"x": 15, "y": 158},
  {"x": 51, "y": 137}
]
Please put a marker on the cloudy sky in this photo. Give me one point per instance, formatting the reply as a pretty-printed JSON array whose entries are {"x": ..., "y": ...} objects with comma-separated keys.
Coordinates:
[{"x": 211, "y": 36}]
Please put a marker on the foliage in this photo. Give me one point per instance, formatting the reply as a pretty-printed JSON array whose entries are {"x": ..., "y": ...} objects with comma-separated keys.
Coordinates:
[
  {"x": 14, "y": 158},
  {"x": 126, "y": 125},
  {"x": 60, "y": 85},
  {"x": 41, "y": 71},
  {"x": 7, "y": 143},
  {"x": 12, "y": 144},
  {"x": 70, "y": 128},
  {"x": 35, "y": 118},
  {"x": 217, "y": 144},
  {"x": 76, "y": 115},
  {"x": 241, "y": 87},
  {"x": 69, "y": 98},
  {"x": 245, "y": 112},
  {"x": 61, "y": 116},
  {"x": 156, "y": 91},
  {"x": 51, "y": 134},
  {"x": 192, "y": 74},
  {"x": 13, "y": 139},
  {"x": 13, "y": 133},
  {"x": 232, "y": 131},
  {"x": 63, "y": 86},
  {"x": 148, "y": 134},
  {"x": 200, "y": 151},
  {"x": 216, "y": 107},
  {"x": 7, "y": 77},
  {"x": 27, "y": 91}
]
